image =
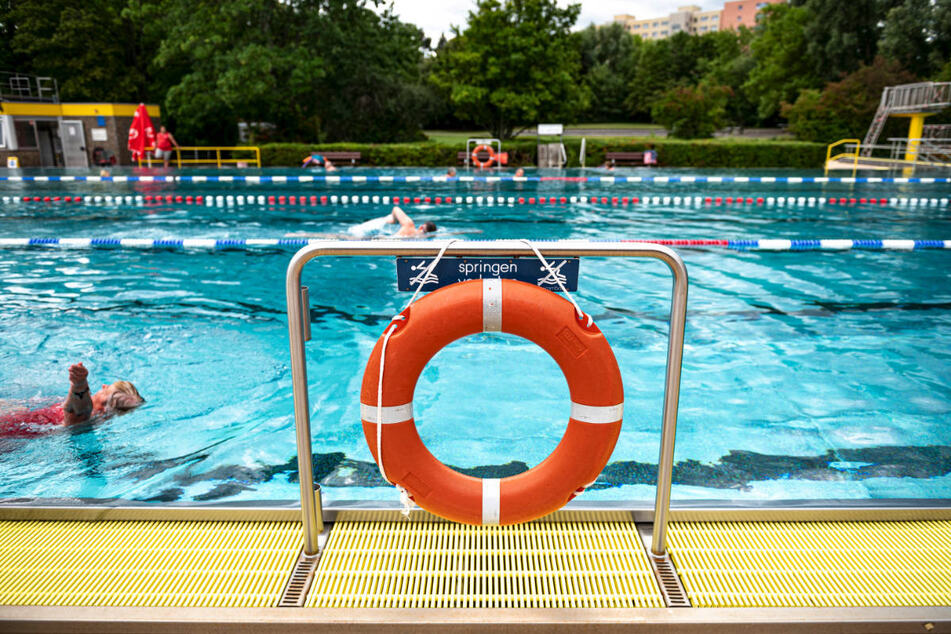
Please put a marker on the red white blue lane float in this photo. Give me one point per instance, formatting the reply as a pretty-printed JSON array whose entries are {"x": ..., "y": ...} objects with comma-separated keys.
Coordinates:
[
  {"x": 313, "y": 200},
  {"x": 799, "y": 244}
]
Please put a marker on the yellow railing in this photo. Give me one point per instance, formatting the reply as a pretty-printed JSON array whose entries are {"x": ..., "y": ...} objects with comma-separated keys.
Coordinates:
[
  {"x": 211, "y": 155},
  {"x": 873, "y": 162},
  {"x": 854, "y": 155}
]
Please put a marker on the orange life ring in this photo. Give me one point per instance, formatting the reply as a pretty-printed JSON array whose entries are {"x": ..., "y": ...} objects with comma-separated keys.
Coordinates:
[
  {"x": 581, "y": 351},
  {"x": 486, "y": 163}
]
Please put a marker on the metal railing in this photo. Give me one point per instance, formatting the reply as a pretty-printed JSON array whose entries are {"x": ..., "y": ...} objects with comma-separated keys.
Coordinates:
[
  {"x": 920, "y": 97},
  {"x": 209, "y": 155},
  {"x": 927, "y": 152},
  {"x": 297, "y": 305},
  {"x": 23, "y": 87},
  {"x": 845, "y": 153}
]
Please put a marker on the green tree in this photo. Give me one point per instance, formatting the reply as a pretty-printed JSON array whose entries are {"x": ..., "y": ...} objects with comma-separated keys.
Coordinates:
[
  {"x": 691, "y": 112},
  {"x": 841, "y": 36},
  {"x": 917, "y": 33},
  {"x": 906, "y": 35},
  {"x": 608, "y": 60},
  {"x": 730, "y": 66},
  {"x": 844, "y": 108},
  {"x": 781, "y": 67},
  {"x": 91, "y": 49},
  {"x": 315, "y": 69},
  {"x": 515, "y": 64},
  {"x": 679, "y": 60}
]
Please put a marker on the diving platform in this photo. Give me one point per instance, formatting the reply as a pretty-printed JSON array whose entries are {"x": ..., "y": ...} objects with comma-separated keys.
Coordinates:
[
  {"x": 925, "y": 146},
  {"x": 915, "y": 101}
]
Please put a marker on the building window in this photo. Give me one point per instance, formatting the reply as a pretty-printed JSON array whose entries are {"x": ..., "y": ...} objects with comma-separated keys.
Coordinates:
[
  {"x": 675, "y": 27},
  {"x": 739, "y": 17},
  {"x": 26, "y": 135},
  {"x": 663, "y": 32},
  {"x": 739, "y": 7},
  {"x": 713, "y": 28},
  {"x": 655, "y": 24}
]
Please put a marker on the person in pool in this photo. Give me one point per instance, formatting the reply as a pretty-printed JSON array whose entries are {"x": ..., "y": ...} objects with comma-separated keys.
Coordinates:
[
  {"x": 408, "y": 228},
  {"x": 318, "y": 160},
  {"x": 78, "y": 407}
]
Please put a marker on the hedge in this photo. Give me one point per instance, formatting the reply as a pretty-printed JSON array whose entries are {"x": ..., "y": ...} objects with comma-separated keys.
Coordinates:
[{"x": 670, "y": 152}]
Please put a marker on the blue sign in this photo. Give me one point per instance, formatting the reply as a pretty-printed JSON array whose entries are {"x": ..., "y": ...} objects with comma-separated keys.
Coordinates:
[{"x": 449, "y": 270}]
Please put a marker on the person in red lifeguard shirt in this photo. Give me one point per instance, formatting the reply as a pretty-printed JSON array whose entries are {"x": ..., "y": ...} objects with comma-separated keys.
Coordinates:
[
  {"x": 163, "y": 145},
  {"x": 79, "y": 406}
]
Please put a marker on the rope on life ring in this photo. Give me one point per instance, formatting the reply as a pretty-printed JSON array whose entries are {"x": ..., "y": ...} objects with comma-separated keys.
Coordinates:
[
  {"x": 492, "y": 305},
  {"x": 486, "y": 163}
]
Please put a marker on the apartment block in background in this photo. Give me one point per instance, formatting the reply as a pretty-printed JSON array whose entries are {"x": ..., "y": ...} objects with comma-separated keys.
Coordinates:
[
  {"x": 692, "y": 20},
  {"x": 742, "y": 13}
]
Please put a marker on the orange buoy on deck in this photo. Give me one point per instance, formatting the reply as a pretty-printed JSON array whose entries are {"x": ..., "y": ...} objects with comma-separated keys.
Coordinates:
[
  {"x": 526, "y": 310},
  {"x": 478, "y": 162}
]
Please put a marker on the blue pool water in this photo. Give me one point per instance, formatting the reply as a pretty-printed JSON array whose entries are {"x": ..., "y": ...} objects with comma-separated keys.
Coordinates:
[{"x": 807, "y": 375}]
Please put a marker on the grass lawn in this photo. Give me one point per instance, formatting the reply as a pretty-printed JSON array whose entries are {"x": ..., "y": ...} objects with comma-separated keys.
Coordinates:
[
  {"x": 615, "y": 126},
  {"x": 455, "y": 137}
]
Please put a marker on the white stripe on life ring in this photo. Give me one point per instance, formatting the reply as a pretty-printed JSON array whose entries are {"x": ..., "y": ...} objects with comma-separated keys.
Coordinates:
[
  {"x": 597, "y": 414},
  {"x": 491, "y": 497},
  {"x": 391, "y": 415},
  {"x": 492, "y": 305}
]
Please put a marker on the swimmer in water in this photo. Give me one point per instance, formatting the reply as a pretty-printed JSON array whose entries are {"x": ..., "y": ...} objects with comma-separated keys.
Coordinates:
[
  {"x": 78, "y": 407},
  {"x": 408, "y": 228}
]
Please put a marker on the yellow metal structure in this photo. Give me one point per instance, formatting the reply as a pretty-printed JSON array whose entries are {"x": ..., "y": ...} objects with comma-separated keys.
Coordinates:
[
  {"x": 41, "y": 109},
  {"x": 181, "y": 564},
  {"x": 844, "y": 155},
  {"x": 218, "y": 155},
  {"x": 916, "y": 128},
  {"x": 402, "y": 564},
  {"x": 846, "y": 159},
  {"x": 813, "y": 564}
]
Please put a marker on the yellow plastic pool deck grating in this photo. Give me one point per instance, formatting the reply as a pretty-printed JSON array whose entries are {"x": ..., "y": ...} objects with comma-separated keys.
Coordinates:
[
  {"x": 813, "y": 564},
  {"x": 401, "y": 564},
  {"x": 146, "y": 563}
]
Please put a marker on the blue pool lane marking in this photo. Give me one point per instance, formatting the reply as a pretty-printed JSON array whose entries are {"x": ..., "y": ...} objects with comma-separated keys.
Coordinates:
[
  {"x": 834, "y": 244},
  {"x": 603, "y": 180}
]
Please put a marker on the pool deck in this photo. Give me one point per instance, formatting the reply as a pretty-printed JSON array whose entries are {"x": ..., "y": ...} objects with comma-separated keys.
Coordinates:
[{"x": 592, "y": 572}]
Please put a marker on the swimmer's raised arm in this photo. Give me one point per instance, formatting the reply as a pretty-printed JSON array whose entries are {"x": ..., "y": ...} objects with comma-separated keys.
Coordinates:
[
  {"x": 78, "y": 404},
  {"x": 405, "y": 221}
]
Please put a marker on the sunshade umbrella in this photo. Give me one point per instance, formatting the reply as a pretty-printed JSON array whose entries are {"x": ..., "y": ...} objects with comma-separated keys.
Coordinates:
[{"x": 141, "y": 133}]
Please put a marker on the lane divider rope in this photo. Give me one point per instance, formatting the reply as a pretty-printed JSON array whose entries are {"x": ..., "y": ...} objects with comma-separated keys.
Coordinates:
[
  {"x": 762, "y": 244},
  {"x": 603, "y": 180},
  {"x": 230, "y": 200}
]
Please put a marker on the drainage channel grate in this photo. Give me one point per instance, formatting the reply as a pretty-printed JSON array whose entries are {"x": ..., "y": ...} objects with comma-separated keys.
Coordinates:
[
  {"x": 296, "y": 589},
  {"x": 402, "y": 564},
  {"x": 669, "y": 582}
]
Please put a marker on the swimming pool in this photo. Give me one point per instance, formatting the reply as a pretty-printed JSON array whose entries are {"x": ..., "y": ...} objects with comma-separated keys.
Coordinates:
[{"x": 807, "y": 374}]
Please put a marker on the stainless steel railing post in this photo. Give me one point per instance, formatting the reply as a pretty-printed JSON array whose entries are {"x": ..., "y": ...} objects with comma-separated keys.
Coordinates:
[
  {"x": 305, "y": 467},
  {"x": 564, "y": 248},
  {"x": 675, "y": 353}
]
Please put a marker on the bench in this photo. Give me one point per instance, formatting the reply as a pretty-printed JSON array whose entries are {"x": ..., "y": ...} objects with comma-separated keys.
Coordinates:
[
  {"x": 624, "y": 158},
  {"x": 338, "y": 157}
]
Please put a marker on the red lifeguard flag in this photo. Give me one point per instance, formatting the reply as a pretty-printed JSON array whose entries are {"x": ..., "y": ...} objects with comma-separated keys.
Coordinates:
[{"x": 141, "y": 133}]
